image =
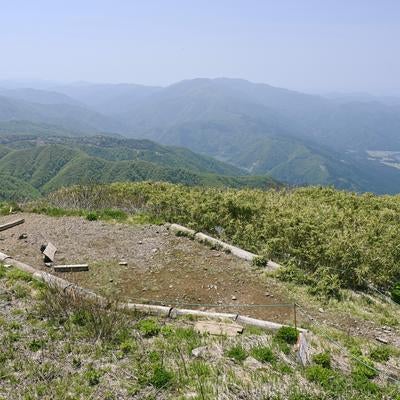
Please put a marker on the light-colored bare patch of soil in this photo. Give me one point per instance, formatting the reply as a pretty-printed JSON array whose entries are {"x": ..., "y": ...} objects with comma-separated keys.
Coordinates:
[{"x": 160, "y": 266}]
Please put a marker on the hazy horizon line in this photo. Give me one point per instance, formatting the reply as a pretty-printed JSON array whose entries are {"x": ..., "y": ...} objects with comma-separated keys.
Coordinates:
[{"x": 49, "y": 84}]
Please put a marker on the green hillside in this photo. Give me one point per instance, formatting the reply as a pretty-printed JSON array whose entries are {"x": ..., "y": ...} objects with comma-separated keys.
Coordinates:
[
  {"x": 16, "y": 189},
  {"x": 46, "y": 163}
]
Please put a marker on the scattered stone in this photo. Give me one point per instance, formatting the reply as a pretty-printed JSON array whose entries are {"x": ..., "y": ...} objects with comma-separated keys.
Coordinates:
[
  {"x": 123, "y": 263},
  {"x": 23, "y": 236},
  {"x": 199, "y": 352},
  {"x": 252, "y": 363},
  {"x": 382, "y": 340},
  {"x": 234, "y": 298},
  {"x": 111, "y": 280},
  {"x": 321, "y": 310},
  {"x": 140, "y": 242},
  {"x": 170, "y": 286}
]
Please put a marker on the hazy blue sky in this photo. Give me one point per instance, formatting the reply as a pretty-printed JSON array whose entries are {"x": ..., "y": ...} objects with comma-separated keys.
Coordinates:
[{"x": 311, "y": 45}]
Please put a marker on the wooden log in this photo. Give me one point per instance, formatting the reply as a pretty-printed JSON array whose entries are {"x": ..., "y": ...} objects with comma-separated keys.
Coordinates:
[
  {"x": 218, "y": 328},
  {"x": 269, "y": 325},
  {"x": 180, "y": 230},
  {"x": 258, "y": 323},
  {"x": 11, "y": 224},
  {"x": 176, "y": 312},
  {"x": 50, "y": 251},
  {"x": 236, "y": 251},
  {"x": 71, "y": 268},
  {"x": 147, "y": 309},
  {"x": 3, "y": 256}
]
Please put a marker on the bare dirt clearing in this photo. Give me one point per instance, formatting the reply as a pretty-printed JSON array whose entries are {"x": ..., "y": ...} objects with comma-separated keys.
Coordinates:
[{"x": 160, "y": 266}]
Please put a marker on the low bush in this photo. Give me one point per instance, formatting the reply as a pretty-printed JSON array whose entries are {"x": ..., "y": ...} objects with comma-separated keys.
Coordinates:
[
  {"x": 323, "y": 359},
  {"x": 92, "y": 216},
  {"x": 148, "y": 327},
  {"x": 263, "y": 354},
  {"x": 395, "y": 292},
  {"x": 237, "y": 353},
  {"x": 161, "y": 377},
  {"x": 380, "y": 353},
  {"x": 287, "y": 334}
]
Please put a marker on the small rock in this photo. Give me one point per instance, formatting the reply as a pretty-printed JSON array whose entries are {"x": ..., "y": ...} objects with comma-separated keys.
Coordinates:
[
  {"x": 123, "y": 263},
  {"x": 170, "y": 286},
  {"x": 252, "y": 363},
  {"x": 199, "y": 352},
  {"x": 382, "y": 340},
  {"x": 154, "y": 250},
  {"x": 23, "y": 236},
  {"x": 140, "y": 242},
  {"x": 234, "y": 298},
  {"x": 111, "y": 280},
  {"x": 321, "y": 310}
]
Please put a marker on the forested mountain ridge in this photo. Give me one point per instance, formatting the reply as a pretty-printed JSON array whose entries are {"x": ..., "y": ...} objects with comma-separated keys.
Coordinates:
[{"x": 30, "y": 165}]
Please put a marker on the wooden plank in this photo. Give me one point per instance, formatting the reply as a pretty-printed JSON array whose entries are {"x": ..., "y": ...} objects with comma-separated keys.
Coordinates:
[
  {"x": 218, "y": 328},
  {"x": 50, "y": 251},
  {"x": 71, "y": 268},
  {"x": 177, "y": 312},
  {"x": 11, "y": 224}
]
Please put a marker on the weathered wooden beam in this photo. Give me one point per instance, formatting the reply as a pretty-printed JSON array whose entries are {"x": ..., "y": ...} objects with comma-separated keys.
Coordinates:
[
  {"x": 11, "y": 224},
  {"x": 180, "y": 230},
  {"x": 147, "y": 309},
  {"x": 177, "y": 312},
  {"x": 71, "y": 268}
]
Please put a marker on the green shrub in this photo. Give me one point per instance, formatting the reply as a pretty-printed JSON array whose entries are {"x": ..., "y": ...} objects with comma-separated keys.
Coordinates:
[
  {"x": 396, "y": 293},
  {"x": 323, "y": 359},
  {"x": 364, "y": 369},
  {"x": 238, "y": 353},
  {"x": 36, "y": 344},
  {"x": 263, "y": 354},
  {"x": 118, "y": 215},
  {"x": 380, "y": 353},
  {"x": 287, "y": 334},
  {"x": 148, "y": 327},
  {"x": 92, "y": 375},
  {"x": 161, "y": 377},
  {"x": 91, "y": 216}
]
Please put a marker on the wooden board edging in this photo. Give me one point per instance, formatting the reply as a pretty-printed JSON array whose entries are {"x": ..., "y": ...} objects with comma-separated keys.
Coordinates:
[{"x": 11, "y": 224}]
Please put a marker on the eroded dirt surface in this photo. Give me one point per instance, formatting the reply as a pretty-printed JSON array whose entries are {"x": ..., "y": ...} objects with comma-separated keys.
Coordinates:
[{"x": 160, "y": 266}]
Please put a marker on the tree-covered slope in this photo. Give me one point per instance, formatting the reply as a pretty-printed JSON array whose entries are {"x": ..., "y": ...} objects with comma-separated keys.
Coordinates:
[
  {"x": 16, "y": 189},
  {"x": 47, "y": 163}
]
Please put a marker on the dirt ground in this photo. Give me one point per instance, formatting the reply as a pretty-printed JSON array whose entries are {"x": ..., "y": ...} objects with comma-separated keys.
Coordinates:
[{"x": 160, "y": 266}]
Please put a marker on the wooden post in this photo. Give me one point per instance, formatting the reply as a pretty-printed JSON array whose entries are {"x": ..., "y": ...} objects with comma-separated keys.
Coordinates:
[
  {"x": 295, "y": 315},
  {"x": 11, "y": 224}
]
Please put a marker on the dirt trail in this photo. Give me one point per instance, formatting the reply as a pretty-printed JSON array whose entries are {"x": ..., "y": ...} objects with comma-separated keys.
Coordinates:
[{"x": 160, "y": 266}]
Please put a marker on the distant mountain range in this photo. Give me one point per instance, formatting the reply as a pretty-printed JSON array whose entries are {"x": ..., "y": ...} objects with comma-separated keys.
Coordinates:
[{"x": 294, "y": 137}]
